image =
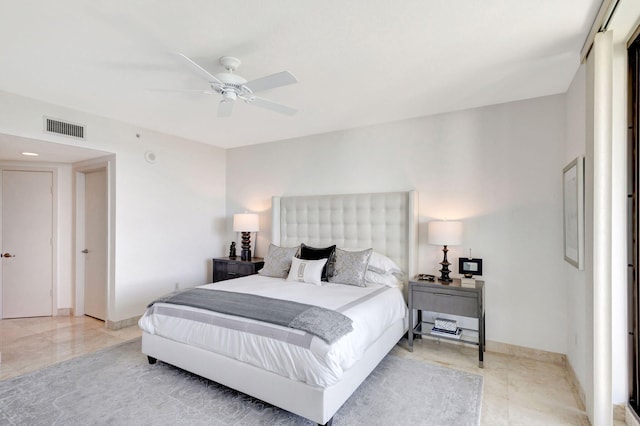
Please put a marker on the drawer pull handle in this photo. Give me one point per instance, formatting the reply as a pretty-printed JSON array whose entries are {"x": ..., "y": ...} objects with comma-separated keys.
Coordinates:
[{"x": 232, "y": 273}]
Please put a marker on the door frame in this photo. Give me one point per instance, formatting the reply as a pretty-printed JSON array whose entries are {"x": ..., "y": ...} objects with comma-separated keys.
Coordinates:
[
  {"x": 79, "y": 173},
  {"x": 633, "y": 223},
  {"x": 54, "y": 226}
]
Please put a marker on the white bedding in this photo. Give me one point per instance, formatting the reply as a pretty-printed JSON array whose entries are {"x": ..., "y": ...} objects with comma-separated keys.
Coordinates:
[{"x": 279, "y": 349}]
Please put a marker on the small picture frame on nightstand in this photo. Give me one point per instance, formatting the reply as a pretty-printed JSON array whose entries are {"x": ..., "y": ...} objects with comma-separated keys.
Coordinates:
[{"x": 469, "y": 267}]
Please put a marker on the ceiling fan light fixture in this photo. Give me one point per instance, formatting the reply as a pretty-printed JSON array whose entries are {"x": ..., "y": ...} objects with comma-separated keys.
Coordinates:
[{"x": 229, "y": 96}]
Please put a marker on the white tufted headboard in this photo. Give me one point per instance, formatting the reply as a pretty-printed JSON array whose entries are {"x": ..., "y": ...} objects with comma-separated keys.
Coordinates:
[{"x": 386, "y": 222}]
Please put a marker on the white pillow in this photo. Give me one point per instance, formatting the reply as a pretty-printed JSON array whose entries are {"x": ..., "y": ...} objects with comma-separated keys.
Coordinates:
[
  {"x": 380, "y": 263},
  {"x": 389, "y": 280},
  {"x": 383, "y": 265},
  {"x": 306, "y": 271}
]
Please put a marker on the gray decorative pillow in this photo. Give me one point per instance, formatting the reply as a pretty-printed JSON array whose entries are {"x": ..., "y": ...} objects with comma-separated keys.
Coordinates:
[
  {"x": 351, "y": 267},
  {"x": 278, "y": 261}
]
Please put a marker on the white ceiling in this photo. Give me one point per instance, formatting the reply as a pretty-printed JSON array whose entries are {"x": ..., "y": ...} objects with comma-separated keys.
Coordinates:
[
  {"x": 358, "y": 62},
  {"x": 12, "y": 147}
]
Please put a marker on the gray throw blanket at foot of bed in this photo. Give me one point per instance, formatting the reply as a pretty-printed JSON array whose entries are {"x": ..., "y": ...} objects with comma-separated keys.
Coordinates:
[{"x": 326, "y": 324}]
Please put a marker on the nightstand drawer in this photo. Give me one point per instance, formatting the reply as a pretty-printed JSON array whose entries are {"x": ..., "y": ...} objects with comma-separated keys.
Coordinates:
[
  {"x": 226, "y": 268},
  {"x": 235, "y": 268},
  {"x": 446, "y": 302}
]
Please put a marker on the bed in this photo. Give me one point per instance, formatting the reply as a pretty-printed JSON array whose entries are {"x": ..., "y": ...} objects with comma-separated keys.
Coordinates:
[{"x": 324, "y": 374}]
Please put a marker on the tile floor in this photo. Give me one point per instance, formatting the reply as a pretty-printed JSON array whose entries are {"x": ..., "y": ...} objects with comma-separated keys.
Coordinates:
[
  {"x": 29, "y": 344},
  {"x": 517, "y": 391}
]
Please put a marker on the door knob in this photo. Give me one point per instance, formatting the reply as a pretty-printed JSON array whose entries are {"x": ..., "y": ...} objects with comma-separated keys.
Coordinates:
[
  {"x": 85, "y": 251},
  {"x": 8, "y": 255}
]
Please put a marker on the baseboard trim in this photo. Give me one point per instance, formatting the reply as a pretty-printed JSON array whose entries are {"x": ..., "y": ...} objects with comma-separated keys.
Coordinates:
[
  {"x": 630, "y": 416},
  {"x": 117, "y": 325},
  {"x": 619, "y": 412},
  {"x": 524, "y": 352},
  {"x": 513, "y": 350},
  {"x": 577, "y": 387},
  {"x": 64, "y": 312}
]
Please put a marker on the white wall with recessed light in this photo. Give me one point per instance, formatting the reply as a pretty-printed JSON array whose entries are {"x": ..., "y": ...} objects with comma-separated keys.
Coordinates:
[
  {"x": 169, "y": 215},
  {"x": 497, "y": 168}
]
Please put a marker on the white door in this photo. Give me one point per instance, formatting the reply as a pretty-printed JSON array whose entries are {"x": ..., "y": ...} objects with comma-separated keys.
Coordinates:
[
  {"x": 95, "y": 251},
  {"x": 27, "y": 252}
]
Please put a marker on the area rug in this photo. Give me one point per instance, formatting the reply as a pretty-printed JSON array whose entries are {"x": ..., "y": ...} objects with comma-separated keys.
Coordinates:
[{"x": 116, "y": 386}]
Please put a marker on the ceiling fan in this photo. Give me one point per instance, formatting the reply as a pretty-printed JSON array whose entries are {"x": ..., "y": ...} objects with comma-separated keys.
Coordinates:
[{"x": 233, "y": 87}]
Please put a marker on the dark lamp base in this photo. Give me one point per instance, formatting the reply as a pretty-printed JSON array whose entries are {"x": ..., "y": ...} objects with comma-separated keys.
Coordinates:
[
  {"x": 245, "y": 254},
  {"x": 444, "y": 272}
]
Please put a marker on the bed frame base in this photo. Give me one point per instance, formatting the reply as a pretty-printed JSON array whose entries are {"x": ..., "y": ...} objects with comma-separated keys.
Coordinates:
[{"x": 312, "y": 402}]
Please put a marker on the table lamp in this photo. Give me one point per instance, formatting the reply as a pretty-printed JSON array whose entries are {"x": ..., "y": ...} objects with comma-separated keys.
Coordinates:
[
  {"x": 246, "y": 223},
  {"x": 444, "y": 233}
]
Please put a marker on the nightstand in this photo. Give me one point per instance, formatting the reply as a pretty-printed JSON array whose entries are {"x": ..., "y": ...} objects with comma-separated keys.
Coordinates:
[
  {"x": 225, "y": 268},
  {"x": 447, "y": 298}
]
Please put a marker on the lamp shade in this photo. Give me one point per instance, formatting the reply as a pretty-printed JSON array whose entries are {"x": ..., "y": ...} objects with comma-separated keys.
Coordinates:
[
  {"x": 444, "y": 233},
  {"x": 245, "y": 222}
]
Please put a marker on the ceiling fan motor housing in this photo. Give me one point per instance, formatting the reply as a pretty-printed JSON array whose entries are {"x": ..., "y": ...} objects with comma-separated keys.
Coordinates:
[
  {"x": 228, "y": 78},
  {"x": 232, "y": 86}
]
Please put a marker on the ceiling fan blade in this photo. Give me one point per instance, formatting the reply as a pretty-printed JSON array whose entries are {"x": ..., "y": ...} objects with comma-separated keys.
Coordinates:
[
  {"x": 206, "y": 92},
  {"x": 271, "y": 81},
  {"x": 197, "y": 68},
  {"x": 264, "y": 103},
  {"x": 225, "y": 108}
]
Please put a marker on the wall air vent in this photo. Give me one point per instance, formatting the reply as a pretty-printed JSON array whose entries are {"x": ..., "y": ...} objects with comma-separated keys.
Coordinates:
[{"x": 59, "y": 127}]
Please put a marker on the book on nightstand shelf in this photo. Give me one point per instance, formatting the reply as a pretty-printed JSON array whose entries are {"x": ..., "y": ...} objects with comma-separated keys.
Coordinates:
[
  {"x": 446, "y": 328},
  {"x": 445, "y": 324},
  {"x": 457, "y": 334}
]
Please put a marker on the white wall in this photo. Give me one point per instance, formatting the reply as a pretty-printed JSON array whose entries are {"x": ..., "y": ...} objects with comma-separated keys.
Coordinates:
[
  {"x": 497, "y": 168},
  {"x": 578, "y": 292},
  {"x": 169, "y": 219},
  {"x": 170, "y": 215},
  {"x": 65, "y": 234}
]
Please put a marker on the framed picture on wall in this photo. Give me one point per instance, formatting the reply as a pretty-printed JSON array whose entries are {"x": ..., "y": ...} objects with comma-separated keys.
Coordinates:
[{"x": 573, "y": 207}]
